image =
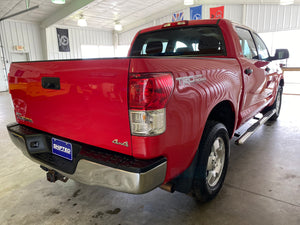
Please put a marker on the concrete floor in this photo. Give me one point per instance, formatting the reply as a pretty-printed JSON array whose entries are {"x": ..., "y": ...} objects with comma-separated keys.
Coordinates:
[{"x": 262, "y": 186}]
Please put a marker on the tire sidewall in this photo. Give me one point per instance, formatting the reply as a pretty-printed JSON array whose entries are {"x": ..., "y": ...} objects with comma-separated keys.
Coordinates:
[
  {"x": 211, "y": 133},
  {"x": 276, "y": 114},
  {"x": 279, "y": 93}
]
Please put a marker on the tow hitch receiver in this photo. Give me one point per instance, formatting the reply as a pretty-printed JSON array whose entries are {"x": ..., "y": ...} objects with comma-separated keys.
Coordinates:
[{"x": 53, "y": 176}]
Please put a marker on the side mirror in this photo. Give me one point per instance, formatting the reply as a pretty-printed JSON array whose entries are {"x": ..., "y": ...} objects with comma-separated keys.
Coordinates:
[{"x": 281, "y": 54}]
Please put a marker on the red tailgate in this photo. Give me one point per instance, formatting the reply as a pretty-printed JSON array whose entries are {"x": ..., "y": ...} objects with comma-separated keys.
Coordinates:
[{"x": 90, "y": 106}]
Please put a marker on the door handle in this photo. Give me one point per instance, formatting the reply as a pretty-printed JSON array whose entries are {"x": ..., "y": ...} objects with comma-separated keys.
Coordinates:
[{"x": 248, "y": 71}]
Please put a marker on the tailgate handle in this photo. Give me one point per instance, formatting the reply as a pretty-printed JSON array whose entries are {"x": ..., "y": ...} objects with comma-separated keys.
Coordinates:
[{"x": 51, "y": 83}]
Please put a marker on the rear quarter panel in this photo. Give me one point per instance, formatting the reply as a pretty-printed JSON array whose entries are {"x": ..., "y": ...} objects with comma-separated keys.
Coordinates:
[{"x": 189, "y": 105}]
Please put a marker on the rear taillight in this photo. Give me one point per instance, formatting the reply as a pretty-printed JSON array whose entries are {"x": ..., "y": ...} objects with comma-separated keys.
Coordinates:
[{"x": 148, "y": 96}]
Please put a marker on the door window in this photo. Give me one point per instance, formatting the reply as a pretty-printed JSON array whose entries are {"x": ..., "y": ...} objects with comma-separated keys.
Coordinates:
[
  {"x": 263, "y": 53},
  {"x": 247, "y": 43}
]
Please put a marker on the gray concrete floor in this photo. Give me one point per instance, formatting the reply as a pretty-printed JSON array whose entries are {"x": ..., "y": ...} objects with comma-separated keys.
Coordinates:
[{"x": 262, "y": 186}]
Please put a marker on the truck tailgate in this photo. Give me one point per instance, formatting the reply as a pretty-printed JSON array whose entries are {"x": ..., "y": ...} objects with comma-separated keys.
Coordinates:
[{"x": 82, "y": 100}]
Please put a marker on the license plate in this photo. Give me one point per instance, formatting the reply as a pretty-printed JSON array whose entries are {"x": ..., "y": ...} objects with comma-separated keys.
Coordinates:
[{"x": 62, "y": 148}]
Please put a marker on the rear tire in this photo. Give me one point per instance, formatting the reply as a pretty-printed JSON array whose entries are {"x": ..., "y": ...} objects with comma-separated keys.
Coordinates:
[{"x": 212, "y": 162}]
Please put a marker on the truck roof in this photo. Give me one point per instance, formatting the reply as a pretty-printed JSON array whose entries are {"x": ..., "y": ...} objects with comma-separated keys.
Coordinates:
[
  {"x": 192, "y": 23},
  {"x": 184, "y": 23}
]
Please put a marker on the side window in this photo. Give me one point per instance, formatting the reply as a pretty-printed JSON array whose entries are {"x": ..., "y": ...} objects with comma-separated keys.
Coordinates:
[
  {"x": 247, "y": 43},
  {"x": 261, "y": 48}
]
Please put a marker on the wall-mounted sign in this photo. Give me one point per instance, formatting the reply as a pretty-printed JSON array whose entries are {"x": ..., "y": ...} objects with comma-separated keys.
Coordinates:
[
  {"x": 177, "y": 17},
  {"x": 63, "y": 40},
  {"x": 196, "y": 13},
  {"x": 19, "y": 47},
  {"x": 217, "y": 12}
]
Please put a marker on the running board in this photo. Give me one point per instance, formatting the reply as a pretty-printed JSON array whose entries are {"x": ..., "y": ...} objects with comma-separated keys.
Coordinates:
[{"x": 241, "y": 140}]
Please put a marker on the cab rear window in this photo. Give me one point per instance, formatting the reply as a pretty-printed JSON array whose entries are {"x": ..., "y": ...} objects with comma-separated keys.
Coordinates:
[{"x": 194, "y": 41}]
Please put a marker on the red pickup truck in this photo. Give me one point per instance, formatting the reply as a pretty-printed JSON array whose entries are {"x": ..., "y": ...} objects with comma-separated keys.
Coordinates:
[{"x": 163, "y": 116}]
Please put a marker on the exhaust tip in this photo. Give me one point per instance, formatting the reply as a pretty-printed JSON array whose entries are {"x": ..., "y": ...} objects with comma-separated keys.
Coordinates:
[{"x": 169, "y": 187}]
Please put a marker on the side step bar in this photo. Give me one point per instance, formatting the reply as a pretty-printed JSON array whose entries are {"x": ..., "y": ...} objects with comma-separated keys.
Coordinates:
[{"x": 254, "y": 127}]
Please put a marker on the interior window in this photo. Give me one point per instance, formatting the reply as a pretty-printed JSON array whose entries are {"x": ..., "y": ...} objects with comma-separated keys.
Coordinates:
[
  {"x": 261, "y": 47},
  {"x": 195, "y": 46},
  {"x": 164, "y": 47},
  {"x": 247, "y": 43},
  {"x": 179, "y": 45}
]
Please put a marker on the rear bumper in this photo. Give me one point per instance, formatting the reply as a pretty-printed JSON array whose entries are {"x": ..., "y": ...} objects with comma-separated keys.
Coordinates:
[{"x": 91, "y": 165}]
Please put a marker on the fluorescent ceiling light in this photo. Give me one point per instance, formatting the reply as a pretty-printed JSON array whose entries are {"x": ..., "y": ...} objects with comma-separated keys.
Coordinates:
[
  {"x": 286, "y": 2},
  {"x": 59, "y": 1},
  {"x": 118, "y": 27},
  {"x": 188, "y": 2},
  {"x": 82, "y": 21}
]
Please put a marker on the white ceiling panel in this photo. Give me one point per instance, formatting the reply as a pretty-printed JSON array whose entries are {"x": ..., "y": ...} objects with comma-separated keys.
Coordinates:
[
  {"x": 102, "y": 14},
  {"x": 46, "y": 8}
]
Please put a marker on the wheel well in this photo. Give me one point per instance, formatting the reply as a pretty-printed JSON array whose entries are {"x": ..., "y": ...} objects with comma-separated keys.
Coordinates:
[{"x": 224, "y": 113}]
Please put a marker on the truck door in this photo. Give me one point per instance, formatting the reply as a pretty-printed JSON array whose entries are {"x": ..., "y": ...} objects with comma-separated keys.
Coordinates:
[
  {"x": 270, "y": 68},
  {"x": 255, "y": 74}
]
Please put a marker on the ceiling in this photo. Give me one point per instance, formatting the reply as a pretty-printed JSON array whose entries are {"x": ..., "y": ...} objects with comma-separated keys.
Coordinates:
[
  {"x": 46, "y": 8},
  {"x": 102, "y": 14}
]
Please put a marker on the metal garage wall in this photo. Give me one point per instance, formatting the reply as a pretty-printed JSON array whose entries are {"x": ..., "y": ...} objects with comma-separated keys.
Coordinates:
[
  {"x": 262, "y": 18},
  {"x": 21, "y": 33},
  {"x": 126, "y": 37},
  {"x": 77, "y": 37},
  {"x": 231, "y": 11},
  {"x": 271, "y": 18}
]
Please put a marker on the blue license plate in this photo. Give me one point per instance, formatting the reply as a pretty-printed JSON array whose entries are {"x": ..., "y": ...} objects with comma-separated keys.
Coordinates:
[{"x": 62, "y": 149}]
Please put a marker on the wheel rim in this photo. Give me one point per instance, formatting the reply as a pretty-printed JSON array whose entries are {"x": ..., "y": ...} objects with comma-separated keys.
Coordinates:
[
  {"x": 215, "y": 162},
  {"x": 278, "y": 101}
]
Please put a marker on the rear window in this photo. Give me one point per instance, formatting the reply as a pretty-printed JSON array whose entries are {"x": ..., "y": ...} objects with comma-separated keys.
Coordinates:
[{"x": 199, "y": 41}]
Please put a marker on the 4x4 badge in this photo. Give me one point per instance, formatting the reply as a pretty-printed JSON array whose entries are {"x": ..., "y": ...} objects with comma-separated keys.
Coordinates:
[{"x": 116, "y": 141}]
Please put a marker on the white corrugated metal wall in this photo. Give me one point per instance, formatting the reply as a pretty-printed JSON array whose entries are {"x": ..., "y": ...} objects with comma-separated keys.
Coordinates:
[
  {"x": 271, "y": 18},
  {"x": 24, "y": 34},
  {"x": 262, "y": 18},
  {"x": 18, "y": 33},
  {"x": 77, "y": 37},
  {"x": 126, "y": 37},
  {"x": 28, "y": 34}
]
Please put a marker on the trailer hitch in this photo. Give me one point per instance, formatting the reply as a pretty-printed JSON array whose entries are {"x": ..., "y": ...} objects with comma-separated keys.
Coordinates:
[{"x": 53, "y": 176}]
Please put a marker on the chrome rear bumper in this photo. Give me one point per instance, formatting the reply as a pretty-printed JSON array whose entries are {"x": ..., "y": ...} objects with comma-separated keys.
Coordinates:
[{"x": 136, "y": 177}]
